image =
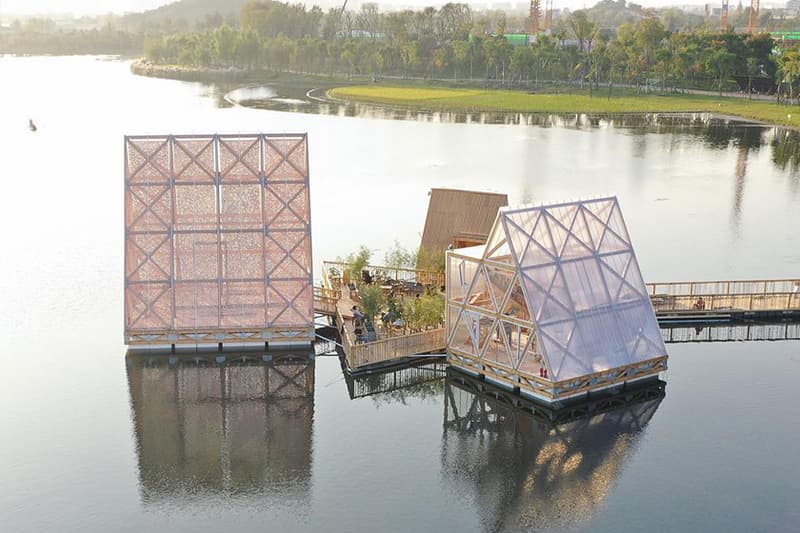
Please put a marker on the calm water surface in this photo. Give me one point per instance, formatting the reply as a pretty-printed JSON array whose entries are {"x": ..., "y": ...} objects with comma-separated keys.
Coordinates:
[{"x": 94, "y": 442}]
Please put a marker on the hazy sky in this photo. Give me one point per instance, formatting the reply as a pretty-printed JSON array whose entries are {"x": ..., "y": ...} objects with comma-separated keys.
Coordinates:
[{"x": 81, "y": 7}]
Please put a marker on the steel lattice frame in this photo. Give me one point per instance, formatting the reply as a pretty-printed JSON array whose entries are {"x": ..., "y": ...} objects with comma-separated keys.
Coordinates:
[
  {"x": 217, "y": 239},
  {"x": 558, "y": 288}
]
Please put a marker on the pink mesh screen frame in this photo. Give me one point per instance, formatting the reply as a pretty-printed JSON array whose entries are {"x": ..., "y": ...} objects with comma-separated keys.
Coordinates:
[{"x": 217, "y": 238}]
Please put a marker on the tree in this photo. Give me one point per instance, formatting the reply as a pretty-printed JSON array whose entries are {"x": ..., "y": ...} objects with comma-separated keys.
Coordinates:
[
  {"x": 663, "y": 66},
  {"x": 248, "y": 49},
  {"x": 372, "y": 301},
  {"x": 721, "y": 63},
  {"x": 789, "y": 69},
  {"x": 453, "y": 22},
  {"x": 424, "y": 312},
  {"x": 225, "y": 39},
  {"x": 461, "y": 55},
  {"x": 582, "y": 29},
  {"x": 522, "y": 60},
  {"x": 355, "y": 263},
  {"x": 433, "y": 261},
  {"x": 369, "y": 19},
  {"x": 647, "y": 37}
]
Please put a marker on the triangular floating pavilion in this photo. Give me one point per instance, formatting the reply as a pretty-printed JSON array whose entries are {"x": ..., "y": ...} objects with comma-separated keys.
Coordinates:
[{"x": 554, "y": 303}]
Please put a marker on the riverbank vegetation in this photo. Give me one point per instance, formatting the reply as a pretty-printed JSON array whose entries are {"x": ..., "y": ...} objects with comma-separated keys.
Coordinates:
[
  {"x": 42, "y": 37},
  {"x": 456, "y": 44},
  {"x": 612, "y": 45}
]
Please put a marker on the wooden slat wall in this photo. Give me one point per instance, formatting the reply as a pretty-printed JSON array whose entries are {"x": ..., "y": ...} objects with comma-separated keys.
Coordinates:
[{"x": 452, "y": 212}]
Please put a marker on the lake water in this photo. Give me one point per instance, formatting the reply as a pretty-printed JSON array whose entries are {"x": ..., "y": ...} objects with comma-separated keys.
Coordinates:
[{"x": 92, "y": 441}]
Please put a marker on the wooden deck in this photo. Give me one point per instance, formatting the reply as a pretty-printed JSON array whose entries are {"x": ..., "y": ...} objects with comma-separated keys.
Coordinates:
[
  {"x": 326, "y": 300},
  {"x": 335, "y": 300},
  {"x": 674, "y": 303},
  {"x": 361, "y": 356}
]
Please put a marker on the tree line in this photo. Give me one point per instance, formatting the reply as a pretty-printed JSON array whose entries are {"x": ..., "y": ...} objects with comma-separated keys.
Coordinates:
[
  {"x": 452, "y": 42},
  {"x": 649, "y": 50},
  {"x": 41, "y": 36}
]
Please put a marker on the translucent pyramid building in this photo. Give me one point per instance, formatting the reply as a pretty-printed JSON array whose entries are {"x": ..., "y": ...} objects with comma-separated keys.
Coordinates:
[{"x": 554, "y": 303}]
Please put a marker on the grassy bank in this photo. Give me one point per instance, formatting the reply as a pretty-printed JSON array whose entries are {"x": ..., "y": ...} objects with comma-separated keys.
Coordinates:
[{"x": 450, "y": 99}]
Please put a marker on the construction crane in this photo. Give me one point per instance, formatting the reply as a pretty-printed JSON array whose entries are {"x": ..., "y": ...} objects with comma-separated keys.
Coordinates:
[
  {"x": 752, "y": 24},
  {"x": 533, "y": 17},
  {"x": 548, "y": 14},
  {"x": 723, "y": 16}
]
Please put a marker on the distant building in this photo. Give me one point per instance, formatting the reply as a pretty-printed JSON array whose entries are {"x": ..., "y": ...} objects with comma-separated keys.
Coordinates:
[{"x": 519, "y": 39}]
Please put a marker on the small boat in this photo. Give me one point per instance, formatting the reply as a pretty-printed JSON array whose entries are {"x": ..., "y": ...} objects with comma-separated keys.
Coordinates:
[{"x": 31, "y": 125}]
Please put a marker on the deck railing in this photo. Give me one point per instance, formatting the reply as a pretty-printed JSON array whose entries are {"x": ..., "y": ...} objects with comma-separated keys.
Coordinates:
[
  {"x": 370, "y": 353},
  {"x": 425, "y": 277},
  {"x": 747, "y": 295},
  {"x": 325, "y": 300}
]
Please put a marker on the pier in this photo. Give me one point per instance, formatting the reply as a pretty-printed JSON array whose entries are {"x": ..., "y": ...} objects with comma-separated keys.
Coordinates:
[
  {"x": 737, "y": 310},
  {"x": 723, "y": 301}
]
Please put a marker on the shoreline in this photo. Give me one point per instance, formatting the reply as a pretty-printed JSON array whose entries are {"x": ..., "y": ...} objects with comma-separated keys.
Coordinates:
[
  {"x": 765, "y": 113},
  {"x": 439, "y": 97}
]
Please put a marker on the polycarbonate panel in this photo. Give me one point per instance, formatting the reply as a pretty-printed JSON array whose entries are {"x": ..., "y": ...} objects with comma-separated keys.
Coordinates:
[
  {"x": 461, "y": 334},
  {"x": 217, "y": 233},
  {"x": 480, "y": 295},
  {"x": 583, "y": 287},
  {"x": 496, "y": 349},
  {"x": 460, "y": 273}
]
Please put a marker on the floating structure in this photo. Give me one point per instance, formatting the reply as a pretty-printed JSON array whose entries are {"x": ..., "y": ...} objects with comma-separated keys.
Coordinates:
[
  {"x": 459, "y": 218},
  {"x": 217, "y": 240},
  {"x": 554, "y": 304}
]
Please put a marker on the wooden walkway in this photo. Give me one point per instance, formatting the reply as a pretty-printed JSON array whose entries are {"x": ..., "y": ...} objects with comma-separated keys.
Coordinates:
[
  {"x": 696, "y": 303},
  {"x": 721, "y": 301},
  {"x": 334, "y": 300}
]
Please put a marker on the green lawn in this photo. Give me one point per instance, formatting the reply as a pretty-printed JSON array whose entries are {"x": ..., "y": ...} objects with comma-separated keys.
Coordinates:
[{"x": 435, "y": 99}]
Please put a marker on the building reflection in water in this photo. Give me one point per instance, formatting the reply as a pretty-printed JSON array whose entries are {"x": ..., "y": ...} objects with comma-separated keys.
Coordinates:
[
  {"x": 419, "y": 379},
  {"x": 524, "y": 466},
  {"x": 207, "y": 428}
]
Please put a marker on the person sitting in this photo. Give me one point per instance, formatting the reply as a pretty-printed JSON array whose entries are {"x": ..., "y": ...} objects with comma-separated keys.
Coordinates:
[{"x": 357, "y": 314}]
